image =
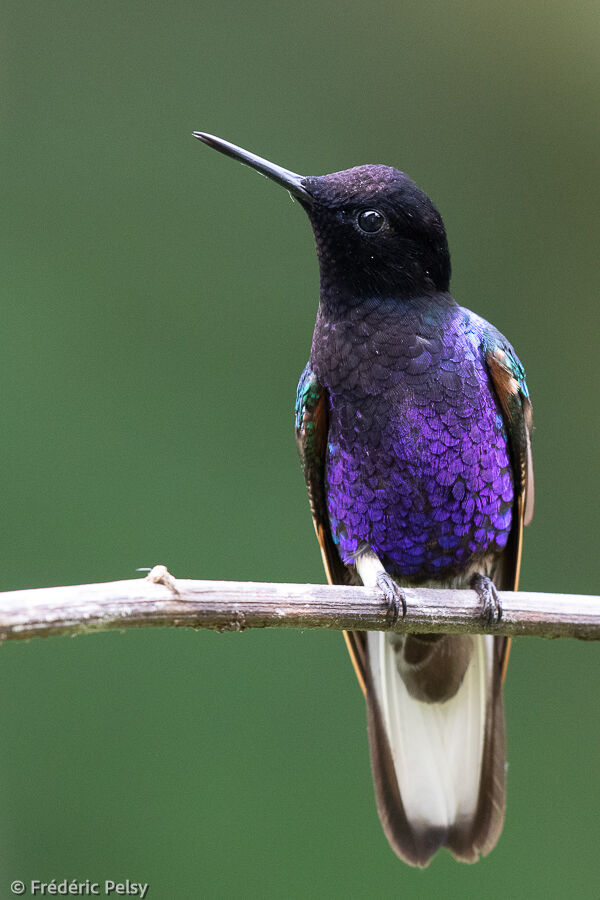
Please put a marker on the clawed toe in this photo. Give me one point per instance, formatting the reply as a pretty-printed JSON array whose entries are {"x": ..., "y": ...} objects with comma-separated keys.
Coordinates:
[
  {"x": 394, "y": 596},
  {"x": 491, "y": 605}
]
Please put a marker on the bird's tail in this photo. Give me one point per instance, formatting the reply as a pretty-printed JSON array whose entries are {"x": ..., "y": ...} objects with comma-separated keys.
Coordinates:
[{"x": 436, "y": 735}]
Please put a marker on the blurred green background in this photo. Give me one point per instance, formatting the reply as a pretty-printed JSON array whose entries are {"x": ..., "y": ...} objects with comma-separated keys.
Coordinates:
[{"x": 157, "y": 308}]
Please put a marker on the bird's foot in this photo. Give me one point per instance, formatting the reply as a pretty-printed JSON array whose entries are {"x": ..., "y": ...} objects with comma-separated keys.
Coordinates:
[
  {"x": 372, "y": 574},
  {"x": 394, "y": 596},
  {"x": 491, "y": 605}
]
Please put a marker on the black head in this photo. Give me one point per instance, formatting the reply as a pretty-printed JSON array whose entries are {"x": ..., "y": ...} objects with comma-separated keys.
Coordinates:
[{"x": 377, "y": 233}]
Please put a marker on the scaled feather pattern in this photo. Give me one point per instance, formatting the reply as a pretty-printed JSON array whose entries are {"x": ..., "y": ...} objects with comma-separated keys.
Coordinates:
[{"x": 418, "y": 465}]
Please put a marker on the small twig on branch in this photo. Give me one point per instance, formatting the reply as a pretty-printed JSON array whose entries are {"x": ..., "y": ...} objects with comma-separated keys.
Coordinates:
[{"x": 161, "y": 599}]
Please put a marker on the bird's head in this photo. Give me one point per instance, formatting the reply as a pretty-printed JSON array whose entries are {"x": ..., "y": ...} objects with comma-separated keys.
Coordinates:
[{"x": 377, "y": 233}]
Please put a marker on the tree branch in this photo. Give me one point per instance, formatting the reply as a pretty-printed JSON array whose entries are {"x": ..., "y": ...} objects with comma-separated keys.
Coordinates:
[{"x": 160, "y": 599}]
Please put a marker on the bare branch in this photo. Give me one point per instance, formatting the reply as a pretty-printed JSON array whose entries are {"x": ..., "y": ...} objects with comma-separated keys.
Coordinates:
[{"x": 161, "y": 599}]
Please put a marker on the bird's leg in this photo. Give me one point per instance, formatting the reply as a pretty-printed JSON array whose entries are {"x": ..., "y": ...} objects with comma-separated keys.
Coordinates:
[
  {"x": 491, "y": 605},
  {"x": 373, "y": 574}
]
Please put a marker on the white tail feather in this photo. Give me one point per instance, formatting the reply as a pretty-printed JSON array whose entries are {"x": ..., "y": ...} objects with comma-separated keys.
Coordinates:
[{"x": 436, "y": 747}]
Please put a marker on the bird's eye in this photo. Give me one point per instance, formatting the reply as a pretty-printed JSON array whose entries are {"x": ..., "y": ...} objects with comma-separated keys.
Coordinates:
[{"x": 370, "y": 221}]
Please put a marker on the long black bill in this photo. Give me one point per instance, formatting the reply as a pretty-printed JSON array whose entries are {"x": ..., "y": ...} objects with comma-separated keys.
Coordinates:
[{"x": 284, "y": 177}]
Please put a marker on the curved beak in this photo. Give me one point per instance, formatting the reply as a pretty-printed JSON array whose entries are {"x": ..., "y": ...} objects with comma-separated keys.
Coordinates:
[{"x": 289, "y": 180}]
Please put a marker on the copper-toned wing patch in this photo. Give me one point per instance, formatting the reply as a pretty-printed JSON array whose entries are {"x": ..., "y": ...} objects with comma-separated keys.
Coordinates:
[{"x": 508, "y": 379}]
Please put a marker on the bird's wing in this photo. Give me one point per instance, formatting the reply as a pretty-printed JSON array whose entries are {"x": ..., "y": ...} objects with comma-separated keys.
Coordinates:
[
  {"x": 311, "y": 417},
  {"x": 311, "y": 437},
  {"x": 508, "y": 380}
]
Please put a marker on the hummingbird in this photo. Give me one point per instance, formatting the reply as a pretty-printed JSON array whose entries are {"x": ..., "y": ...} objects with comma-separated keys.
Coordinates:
[{"x": 413, "y": 422}]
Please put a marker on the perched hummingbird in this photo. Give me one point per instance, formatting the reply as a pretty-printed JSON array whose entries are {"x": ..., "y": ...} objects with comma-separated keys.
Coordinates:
[{"x": 413, "y": 422}]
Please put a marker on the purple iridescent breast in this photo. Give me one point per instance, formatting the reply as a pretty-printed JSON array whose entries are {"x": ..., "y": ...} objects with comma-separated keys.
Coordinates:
[{"x": 417, "y": 460}]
